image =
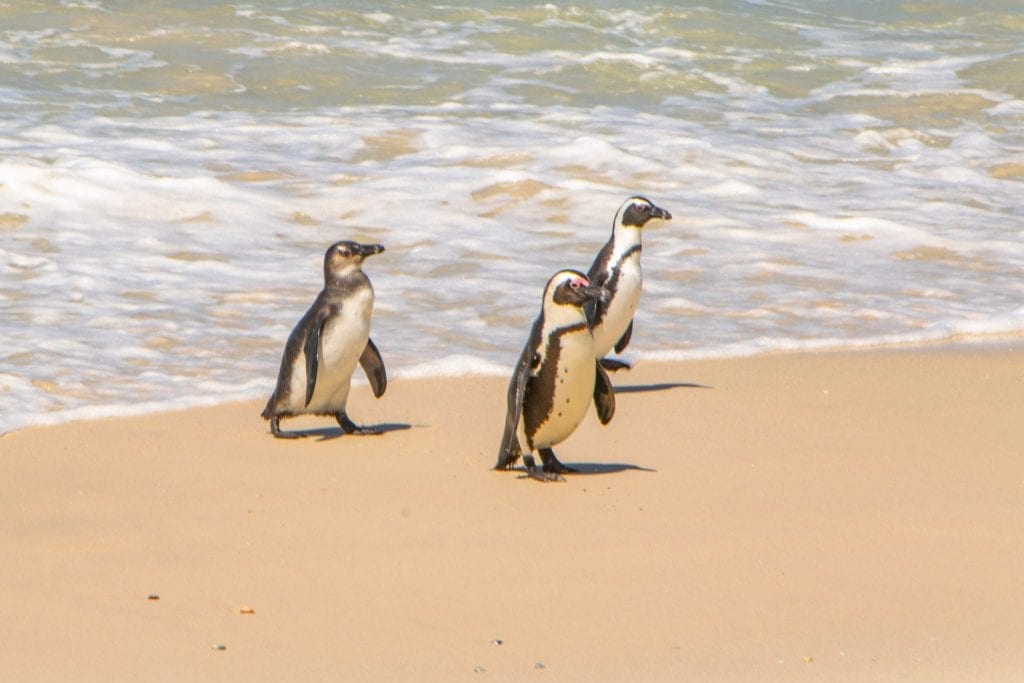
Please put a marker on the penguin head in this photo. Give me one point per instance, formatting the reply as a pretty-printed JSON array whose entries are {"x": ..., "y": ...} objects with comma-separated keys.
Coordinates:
[
  {"x": 572, "y": 288},
  {"x": 637, "y": 210},
  {"x": 346, "y": 256}
]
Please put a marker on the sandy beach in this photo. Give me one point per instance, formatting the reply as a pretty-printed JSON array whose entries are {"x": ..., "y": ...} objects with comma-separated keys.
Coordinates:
[{"x": 832, "y": 516}]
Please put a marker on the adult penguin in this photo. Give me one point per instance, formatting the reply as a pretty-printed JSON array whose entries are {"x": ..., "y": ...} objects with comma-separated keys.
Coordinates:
[
  {"x": 555, "y": 379},
  {"x": 617, "y": 269}
]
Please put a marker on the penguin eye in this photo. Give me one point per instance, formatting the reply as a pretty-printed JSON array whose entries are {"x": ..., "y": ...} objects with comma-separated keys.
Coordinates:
[
  {"x": 344, "y": 252},
  {"x": 575, "y": 284}
]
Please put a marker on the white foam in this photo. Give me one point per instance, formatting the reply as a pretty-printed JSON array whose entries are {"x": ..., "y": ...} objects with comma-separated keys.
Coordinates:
[
  {"x": 731, "y": 188},
  {"x": 456, "y": 365}
]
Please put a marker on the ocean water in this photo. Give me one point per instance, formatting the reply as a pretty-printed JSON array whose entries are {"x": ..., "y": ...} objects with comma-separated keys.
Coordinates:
[{"x": 840, "y": 174}]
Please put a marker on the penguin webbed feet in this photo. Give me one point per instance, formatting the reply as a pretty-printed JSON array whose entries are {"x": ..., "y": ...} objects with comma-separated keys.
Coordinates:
[
  {"x": 552, "y": 470},
  {"x": 275, "y": 429},
  {"x": 553, "y": 464},
  {"x": 350, "y": 427},
  {"x": 614, "y": 365},
  {"x": 539, "y": 473}
]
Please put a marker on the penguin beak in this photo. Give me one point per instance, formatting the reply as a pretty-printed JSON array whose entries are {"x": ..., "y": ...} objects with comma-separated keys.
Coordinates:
[
  {"x": 658, "y": 212},
  {"x": 592, "y": 292},
  {"x": 370, "y": 249}
]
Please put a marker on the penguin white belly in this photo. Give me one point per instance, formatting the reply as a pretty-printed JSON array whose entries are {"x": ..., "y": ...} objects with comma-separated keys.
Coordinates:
[
  {"x": 342, "y": 341},
  {"x": 574, "y": 390},
  {"x": 341, "y": 344},
  {"x": 621, "y": 308}
]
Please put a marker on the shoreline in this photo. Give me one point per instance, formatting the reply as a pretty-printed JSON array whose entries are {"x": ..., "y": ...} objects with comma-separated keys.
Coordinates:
[
  {"x": 846, "y": 515},
  {"x": 442, "y": 370}
]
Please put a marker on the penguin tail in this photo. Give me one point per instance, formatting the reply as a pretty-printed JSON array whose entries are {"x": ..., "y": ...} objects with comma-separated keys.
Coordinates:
[
  {"x": 505, "y": 463},
  {"x": 508, "y": 454},
  {"x": 268, "y": 411}
]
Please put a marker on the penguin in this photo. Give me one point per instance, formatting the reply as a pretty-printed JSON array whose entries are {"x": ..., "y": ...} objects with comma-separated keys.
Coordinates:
[
  {"x": 617, "y": 269},
  {"x": 328, "y": 341},
  {"x": 555, "y": 378}
]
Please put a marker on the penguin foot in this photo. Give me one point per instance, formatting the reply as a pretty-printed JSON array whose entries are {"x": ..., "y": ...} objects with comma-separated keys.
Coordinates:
[
  {"x": 612, "y": 365},
  {"x": 275, "y": 429},
  {"x": 551, "y": 463},
  {"x": 351, "y": 427},
  {"x": 534, "y": 472}
]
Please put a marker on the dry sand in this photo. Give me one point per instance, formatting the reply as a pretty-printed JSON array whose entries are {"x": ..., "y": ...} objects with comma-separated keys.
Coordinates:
[{"x": 826, "y": 516}]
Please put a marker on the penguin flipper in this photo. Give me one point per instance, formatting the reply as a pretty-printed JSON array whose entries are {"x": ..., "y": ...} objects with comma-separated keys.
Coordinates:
[
  {"x": 510, "y": 449},
  {"x": 621, "y": 344},
  {"x": 373, "y": 366},
  {"x": 598, "y": 275},
  {"x": 312, "y": 351},
  {"x": 604, "y": 395},
  {"x": 613, "y": 365},
  {"x": 590, "y": 313}
]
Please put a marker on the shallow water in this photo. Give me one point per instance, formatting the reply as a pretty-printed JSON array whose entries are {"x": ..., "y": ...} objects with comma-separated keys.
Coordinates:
[{"x": 840, "y": 175}]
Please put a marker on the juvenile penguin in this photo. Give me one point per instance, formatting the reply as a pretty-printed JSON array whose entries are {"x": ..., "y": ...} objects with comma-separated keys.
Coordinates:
[
  {"x": 555, "y": 378},
  {"x": 323, "y": 349},
  {"x": 617, "y": 269}
]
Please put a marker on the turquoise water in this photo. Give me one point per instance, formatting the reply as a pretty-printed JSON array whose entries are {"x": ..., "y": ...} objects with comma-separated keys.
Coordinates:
[{"x": 841, "y": 174}]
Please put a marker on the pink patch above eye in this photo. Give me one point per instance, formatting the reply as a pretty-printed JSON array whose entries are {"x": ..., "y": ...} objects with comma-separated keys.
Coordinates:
[{"x": 579, "y": 282}]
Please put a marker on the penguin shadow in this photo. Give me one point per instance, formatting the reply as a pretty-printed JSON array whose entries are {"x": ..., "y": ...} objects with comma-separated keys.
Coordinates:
[
  {"x": 331, "y": 433},
  {"x": 588, "y": 468},
  {"x": 661, "y": 386}
]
